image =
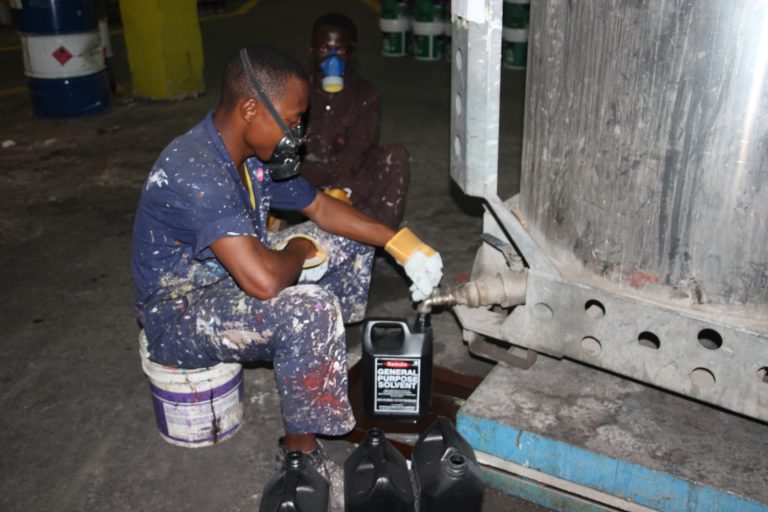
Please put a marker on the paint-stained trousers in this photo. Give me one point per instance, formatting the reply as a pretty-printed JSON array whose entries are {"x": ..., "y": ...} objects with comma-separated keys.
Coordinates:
[
  {"x": 301, "y": 331},
  {"x": 381, "y": 187}
]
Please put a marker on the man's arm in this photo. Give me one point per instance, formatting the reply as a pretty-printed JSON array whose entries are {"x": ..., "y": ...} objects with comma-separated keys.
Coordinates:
[
  {"x": 421, "y": 263},
  {"x": 258, "y": 270},
  {"x": 344, "y": 220}
]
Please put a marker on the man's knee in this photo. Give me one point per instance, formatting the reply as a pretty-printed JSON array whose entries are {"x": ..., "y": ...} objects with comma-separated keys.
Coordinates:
[
  {"x": 393, "y": 157},
  {"x": 398, "y": 155},
  {"x": 312, "y": 305},
  {"x": 311, "y": 318}
]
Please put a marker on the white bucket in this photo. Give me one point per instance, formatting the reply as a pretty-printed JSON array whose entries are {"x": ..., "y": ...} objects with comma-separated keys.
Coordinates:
[
  {"x": 514, "y": 51},
  {"x": 428, "y": 40},
  {"x": 393, "y": 36},
  {"x": 195, "y": 408}
]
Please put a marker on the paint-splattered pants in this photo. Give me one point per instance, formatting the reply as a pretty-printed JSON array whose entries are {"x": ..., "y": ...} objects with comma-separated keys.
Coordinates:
[
  {"x": 301, "y": 331},
  {"x": 382, "y": 185}
]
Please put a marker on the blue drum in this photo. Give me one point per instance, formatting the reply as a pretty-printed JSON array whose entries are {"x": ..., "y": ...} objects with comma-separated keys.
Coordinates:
[{"x": 63, "y": 57}]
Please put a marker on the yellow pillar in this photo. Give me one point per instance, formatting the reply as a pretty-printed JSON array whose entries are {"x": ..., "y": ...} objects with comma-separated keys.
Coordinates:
[{"x": 165, "y": 48}]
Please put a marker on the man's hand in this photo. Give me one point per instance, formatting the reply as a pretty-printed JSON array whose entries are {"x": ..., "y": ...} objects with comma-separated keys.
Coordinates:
[
  {"x": 316, "y": 255},
  {"x": 421, "y": 262}
]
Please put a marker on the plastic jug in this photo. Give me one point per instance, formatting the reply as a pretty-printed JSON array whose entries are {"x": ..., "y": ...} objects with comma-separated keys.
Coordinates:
[
  {"x": 446, "y": 471},
  {"x": 296, "y": 487},
  {"x": 376, "y": 477},
  {"x": 397, "y": 368}
]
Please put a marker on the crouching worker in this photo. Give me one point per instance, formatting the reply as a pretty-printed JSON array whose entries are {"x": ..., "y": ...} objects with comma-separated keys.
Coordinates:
[
  {"x": 214, "y": 286},
  {"x": 344, "y": 122}
]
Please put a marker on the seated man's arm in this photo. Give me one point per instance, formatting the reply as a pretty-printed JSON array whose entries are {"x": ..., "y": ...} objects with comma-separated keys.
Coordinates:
[
  {"x": 259, "y": 271},
  {"x": 341, "y": 219}
]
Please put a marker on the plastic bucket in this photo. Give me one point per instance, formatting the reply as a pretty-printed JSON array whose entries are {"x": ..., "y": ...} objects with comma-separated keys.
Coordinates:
[
  {"x": 428, "y": 40},
  {"x": 393, "y": 36},
  {"x": 195, "y": 408},
  {"x": 516, "y": 13},
  {"x": 514, "y": 51}
]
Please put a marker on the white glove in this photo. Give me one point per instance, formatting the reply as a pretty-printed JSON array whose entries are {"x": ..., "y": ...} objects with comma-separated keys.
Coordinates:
[
  {"x": 425, "y": 272},
  {"x": 421, "y": 262}
]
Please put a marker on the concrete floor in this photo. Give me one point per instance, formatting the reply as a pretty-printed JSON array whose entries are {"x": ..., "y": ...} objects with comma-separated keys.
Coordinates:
[{"x": 77, "y": 426}]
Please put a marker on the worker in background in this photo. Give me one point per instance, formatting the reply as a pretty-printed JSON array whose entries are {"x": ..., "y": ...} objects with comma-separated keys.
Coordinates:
[
  {"x": 342, "y": 149},
  {"x": 213, "y": 285}
]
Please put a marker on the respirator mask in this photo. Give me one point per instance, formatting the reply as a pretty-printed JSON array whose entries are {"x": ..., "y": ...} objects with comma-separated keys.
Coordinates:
[
  {"x": 285, "y": 161},
  {"x": 333, "y": 72}
]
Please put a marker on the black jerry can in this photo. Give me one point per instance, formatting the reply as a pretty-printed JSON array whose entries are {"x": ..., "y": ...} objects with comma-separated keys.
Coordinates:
[
  {"x": 397, "y": 368},
  {"x": 446, "y": 471},
  {"x": 376, "y": 477},
  {"x": 295, "y": 487}
]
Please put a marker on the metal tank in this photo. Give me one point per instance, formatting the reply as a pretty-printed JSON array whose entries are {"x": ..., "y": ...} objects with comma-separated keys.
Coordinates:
[
  {"x": 646, "y": 144},
  {"x": 639, "y": 235}
]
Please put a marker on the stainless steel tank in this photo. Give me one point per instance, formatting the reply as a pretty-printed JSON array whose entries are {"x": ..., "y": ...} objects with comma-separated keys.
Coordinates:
[
  {"x": 646, "y": 144},
  {"x": 639, "y": 233}
]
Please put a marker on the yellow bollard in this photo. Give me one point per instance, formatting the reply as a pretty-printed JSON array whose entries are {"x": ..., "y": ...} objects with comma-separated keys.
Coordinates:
[{"x": 165, "y": 48}]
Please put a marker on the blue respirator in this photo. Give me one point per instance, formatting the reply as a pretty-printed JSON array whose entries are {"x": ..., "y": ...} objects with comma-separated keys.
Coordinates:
[
  {"x": 333, "y": 72},
  {"x": 285, "y": 160}
]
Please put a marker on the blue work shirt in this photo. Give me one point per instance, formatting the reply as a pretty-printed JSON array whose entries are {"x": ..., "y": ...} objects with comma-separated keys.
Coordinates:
[{"x": 193, "y": 197}]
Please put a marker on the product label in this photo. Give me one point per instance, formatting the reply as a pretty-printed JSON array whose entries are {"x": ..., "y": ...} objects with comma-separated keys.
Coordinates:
[{"x": 397, "y": 385}]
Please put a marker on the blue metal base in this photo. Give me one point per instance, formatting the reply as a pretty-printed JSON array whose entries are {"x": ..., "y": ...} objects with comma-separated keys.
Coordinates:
[
  {"x": 71, "y": 97},
  {"x": 617, "y": 437}
]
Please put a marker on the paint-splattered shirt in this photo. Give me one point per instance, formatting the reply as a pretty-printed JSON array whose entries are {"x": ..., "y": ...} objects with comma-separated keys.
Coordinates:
[{"x": 193, "y": 197}]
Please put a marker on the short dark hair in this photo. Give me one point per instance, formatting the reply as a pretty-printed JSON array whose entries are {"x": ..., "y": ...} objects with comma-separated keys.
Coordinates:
[
  {"x": 272, "y": 67},
  {"x": 336, "y": 19}
]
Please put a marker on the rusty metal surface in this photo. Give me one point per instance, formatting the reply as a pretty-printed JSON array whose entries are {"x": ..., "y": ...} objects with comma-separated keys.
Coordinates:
[{"x": 699, "y": 351}]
